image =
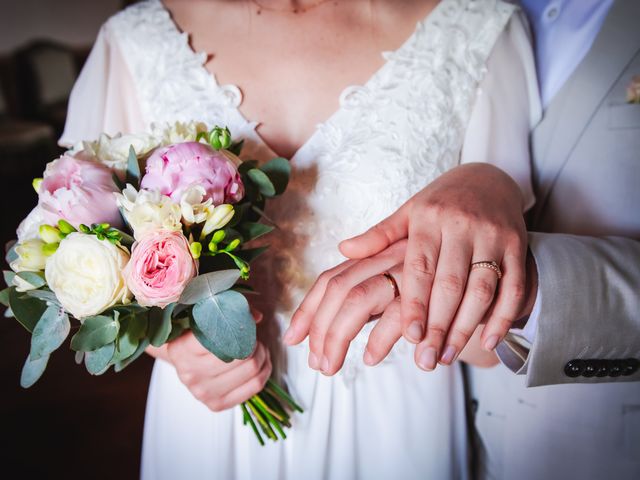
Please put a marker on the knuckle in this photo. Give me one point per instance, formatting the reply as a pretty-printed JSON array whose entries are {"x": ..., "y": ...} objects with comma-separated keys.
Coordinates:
[
  {"x": 417, "y": 306},
  {"x": 336, "y": 283},
  {"x": 462, "y": 335},
  {"x": 436, "y": 333},
  {"x": 452, "y": 284},
  {"x": 358, "y": 294},
  {"x": 483, "y": 291},
  {"x": 422, "y": 265}
]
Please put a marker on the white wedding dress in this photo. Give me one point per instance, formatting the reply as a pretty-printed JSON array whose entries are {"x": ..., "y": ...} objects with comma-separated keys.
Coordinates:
[{"x": 461, "y": 88}]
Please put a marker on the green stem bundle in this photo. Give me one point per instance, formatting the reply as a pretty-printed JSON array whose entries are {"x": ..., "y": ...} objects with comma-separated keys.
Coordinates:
[{"x": 269, "y": 410}]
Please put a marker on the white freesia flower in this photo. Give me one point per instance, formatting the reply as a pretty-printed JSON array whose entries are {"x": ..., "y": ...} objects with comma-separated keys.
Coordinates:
[
  {"x": 219, "y": 217},
  {"x": 148, "y": 210},
  {"x": 193, "y": 209},
  {"x": 114, "y": 151},
  {"x": 178, "y": 132},
  {"x": 86, "y": 274},
  {"x": 29, "y": 228},
  {"x": 31, "y": 258}
]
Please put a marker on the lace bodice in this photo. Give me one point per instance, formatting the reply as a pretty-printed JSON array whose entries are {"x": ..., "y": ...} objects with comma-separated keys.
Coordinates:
[{"x": 389, "y": 138}]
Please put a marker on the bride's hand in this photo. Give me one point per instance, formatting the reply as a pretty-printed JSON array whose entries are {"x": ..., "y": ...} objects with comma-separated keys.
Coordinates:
[
  {"x": 217, "y": 384},
  {"x": 341, "y": 302},
  {"x": 470, "y": 214}
]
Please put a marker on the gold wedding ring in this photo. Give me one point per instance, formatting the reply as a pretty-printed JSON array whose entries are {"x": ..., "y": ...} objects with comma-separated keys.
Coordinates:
[
  {"x": 491, "y": 265},
  {"x": 393, "y": 283}
]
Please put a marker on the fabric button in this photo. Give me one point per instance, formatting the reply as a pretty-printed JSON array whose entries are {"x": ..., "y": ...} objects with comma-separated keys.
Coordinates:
[
  {"x": 631, "y": 366},
  {"x": 602, "y": 368},
  {"x": 589, "y": 368},
  {"x": 617, "y": 366},
  {"x": 552, "y": 12},
  {"x": 574, "y": 368}
]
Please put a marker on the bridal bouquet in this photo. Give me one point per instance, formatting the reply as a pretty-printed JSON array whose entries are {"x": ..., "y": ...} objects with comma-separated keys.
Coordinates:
[{"x": 128, "y": 260}]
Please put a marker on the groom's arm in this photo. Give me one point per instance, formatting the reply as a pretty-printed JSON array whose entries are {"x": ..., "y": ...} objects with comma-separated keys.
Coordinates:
[{"x": 587, "y": 314}]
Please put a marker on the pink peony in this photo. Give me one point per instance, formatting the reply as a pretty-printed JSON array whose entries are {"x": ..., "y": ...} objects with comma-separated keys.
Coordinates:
[
  {"x": 160, "y": 267},
  {"x": 78, "y": 191},
  {"x": 173, "y": 169}
]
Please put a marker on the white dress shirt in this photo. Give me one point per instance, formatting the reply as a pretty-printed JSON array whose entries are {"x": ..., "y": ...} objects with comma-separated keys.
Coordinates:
[{"x": 564, "y": 31}]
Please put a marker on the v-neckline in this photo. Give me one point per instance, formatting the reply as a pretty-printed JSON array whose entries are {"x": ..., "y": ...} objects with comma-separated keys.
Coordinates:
[{"x": 386, "y": 55}]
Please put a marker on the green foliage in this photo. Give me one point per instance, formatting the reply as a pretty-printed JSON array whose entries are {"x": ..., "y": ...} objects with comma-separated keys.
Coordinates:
[
  {"x": 4, "y": 296},
  {"x": 262, "y": 181},
  {"x": 50, "y": 332},
  {"x": 26, "y": 309},
  {"x": 97, "y": 361},
  {"x": 160, "y": 324},
  {"x": 121, "y": 365},
  {"x": 278, "y": 170},
  {"x": 34, "y": 278},
  {"x": 208, "y": 285},
  {"x": 45, "y": 295},
  {"x": 224, "y": 325},
  {"x": 33, "y": 370},
  {"x": 253, "y": 230},
  {"x": 11, "y": 254},
  {"x": 8, "y": 277},
  {"x": 133, "y": 168},
  {"x": 133, "y": 328},
  {"x": 94, "y": 333}
]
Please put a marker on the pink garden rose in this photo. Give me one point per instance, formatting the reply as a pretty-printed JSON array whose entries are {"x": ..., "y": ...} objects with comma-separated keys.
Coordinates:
[
  {"x": 160, "y": 267},
  {"x": 78, "y": 191},
  {"x": 173, "y": 169}
]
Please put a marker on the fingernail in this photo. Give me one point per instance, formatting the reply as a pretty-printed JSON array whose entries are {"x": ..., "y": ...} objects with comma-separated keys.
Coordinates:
[
  {"x": 414, "y": 332},
  {"x": 491, "y": 343},
  {"x": 313, "y": 361},
  {"x": 427, "y": 359},
  {"x": 368, "y": 359},
  {"x": 325, "y": 364},
  {"x": 449, "y": 355},
  {"x": 288, "y": 336}
]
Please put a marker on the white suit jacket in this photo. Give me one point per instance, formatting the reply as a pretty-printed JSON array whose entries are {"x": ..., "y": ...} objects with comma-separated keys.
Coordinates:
[{"x": 582, "y": 419}]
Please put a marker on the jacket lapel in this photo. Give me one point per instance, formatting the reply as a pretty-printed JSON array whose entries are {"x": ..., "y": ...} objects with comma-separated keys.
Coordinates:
[{"x": 573, "y": 107}]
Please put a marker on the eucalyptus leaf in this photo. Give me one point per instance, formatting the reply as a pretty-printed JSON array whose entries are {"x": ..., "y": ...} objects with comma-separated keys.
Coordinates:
[
  {"x": 278, "y": 170},
  {"x": 208, "y": 285},
  {"x": 11, "y": 254},
  {"x": 44, "y": 295},
  {"x": 79, "y": 357},
  {"x": 133, "y": 168},
  {"x": 262, "y": 181},
  {"x": 201, "y": 337},
  {"x": 119, "y": 366},
  {"x": 253, "y": 230},
  {"x": 160, "y": 325},
  {"x": 132, "y": 328},
  {"x": 177, "y": 329},
  {"x": 236, "y": 147},
  {"x": 34, "y": 278},
  {"x": 8, "y": 277},
  {"x": 95, "y": 333},
  {"x": 250, "y": 254},
  {"x": 32, "y": 371},
  {"x": 27, "y": 310},
  {"x": 50, "y": 332},
  {"x": 247, "y": 165},
  {"x": 224, "y": 325},
  {"x": 98, "y": 360},
  {"x": 4, "y": 296}
]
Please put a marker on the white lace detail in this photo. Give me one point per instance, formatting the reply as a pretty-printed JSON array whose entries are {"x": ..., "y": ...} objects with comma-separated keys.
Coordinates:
[{"x": 389, "y": 139}]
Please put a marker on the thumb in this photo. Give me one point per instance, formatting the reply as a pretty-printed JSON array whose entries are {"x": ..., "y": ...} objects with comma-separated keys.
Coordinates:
[{"x": 380, "y": 236}]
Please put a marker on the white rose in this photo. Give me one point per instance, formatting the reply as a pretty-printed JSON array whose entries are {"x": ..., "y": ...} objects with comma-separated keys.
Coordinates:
[
  {"x": 193, "y": 209},
  {"x": 179, "y": 132},
  {"x": 29, "y": 228},
  {"x": 86, "y": 274},
  {"x": 148, "y": 210},
  {"x": 31, "y": 258},
  {"x": 114, "y": 151}
]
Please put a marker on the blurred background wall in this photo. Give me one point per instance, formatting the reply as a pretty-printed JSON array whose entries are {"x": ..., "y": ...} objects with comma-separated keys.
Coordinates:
[{"x": 69, "y": 424}]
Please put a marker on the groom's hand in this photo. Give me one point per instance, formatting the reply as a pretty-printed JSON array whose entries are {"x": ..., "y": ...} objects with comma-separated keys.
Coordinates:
[{"x": 472, "y": 213}]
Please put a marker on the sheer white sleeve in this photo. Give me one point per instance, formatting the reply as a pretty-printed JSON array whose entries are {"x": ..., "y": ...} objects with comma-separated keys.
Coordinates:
[
  {"x": 506, "y": 108},
  {"x": 103, "y": 98}
]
